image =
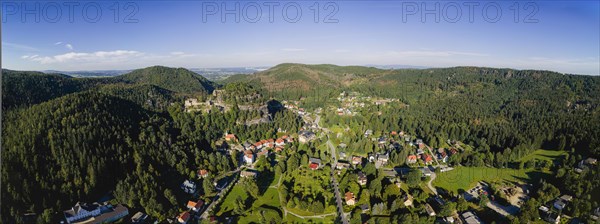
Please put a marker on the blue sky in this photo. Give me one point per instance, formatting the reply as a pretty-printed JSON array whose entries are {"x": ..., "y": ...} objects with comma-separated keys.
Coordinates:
[{"x": 562, "y": 36}]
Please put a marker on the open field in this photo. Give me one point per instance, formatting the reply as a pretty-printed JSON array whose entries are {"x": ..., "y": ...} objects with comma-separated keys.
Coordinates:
[
  {"x": 542, "y": 154},
  {"x": 228, "y": 202},
  {"x": 464, "y": 178}
]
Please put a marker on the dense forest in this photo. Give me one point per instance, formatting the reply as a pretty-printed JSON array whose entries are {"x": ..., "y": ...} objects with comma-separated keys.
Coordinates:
[{"x": 78, "y": 139}]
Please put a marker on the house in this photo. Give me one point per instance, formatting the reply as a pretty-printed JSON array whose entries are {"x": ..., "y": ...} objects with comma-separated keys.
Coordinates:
[
  {"x": 350, "y": 200},
  {"x": 248, "y": 157},
  {"x": 560, "y": 204},
  {"x": 314, "y": 163},
  {"x": 342, "y": 155},
  {"x": 382, "y": 140},
  {"x": 411, "y": 159},
  {"x": 279, "y": 142},
  {"x": 183, "y": 218},
  {"x": 306, "y": 136},
  {"x": 82, "y": 211},
  {"x": 421, "y": 145},
  {"x": 453, "y": 151},
  {"x": 401, "y": 134},
  {"x": 364, "y": 208},
  {"x": 263, "y": 152},
  {"x": 443, "y": 156},
  {"x": 342, "y": 165},
  {"x": 429, "y": 210},
  {"x": 270, "y": 143},
  {"x": 139, "y": 217},
  {"x": 470, "y": 218},
  {"x": 356, "y": 160},
  {"x": 383, "y": 158},
  {"x": 368, "y": 133},
  {"x": 111, "y": 214},
  {"x": 97, "y": 213},
  {"x": 188, "y": 186},
  {"x": 426, "y": 171},
  {"x": 420, "y": 152},
  {"x": 427, "y": 158},
  {"x": 258, "y": 145},
  {"x": 419, "y": 141},
  {"x": 449, "y": 219},
  {"x": 191, "y": 102},
  {"x": 195, "y": 205},
  {"x": 371, "y": 157},
  {"x": 408, "y": 200},
  {"x": 249, "y": 173},
  {"x": 248, "y": 146},
  {"x": 566, "y": 198},
  {"x": 362, "y": 178},
  {"x": 278, "y": 148},
  {"x": 591, "y": 161},
  {"x": 342, "y": 145},
  {"x": 203, "y": 173},
  {"x": 552, "y": 217},
  {"x": 231, "y": 138},
  {"x": 393, "y": 133}
]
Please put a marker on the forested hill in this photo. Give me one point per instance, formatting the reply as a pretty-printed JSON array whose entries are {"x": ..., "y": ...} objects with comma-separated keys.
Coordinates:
[
  {"x": 173, "y": 79},
  {"x": 129, "y": 137},
  {"x": 302, "y": 77},
  {"x": 497, "y": 108},
  {"x": 24, "y": 88}
]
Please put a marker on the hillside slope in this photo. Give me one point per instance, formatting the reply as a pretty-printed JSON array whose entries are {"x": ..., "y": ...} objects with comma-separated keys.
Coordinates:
[
  {"x": 24, "y": 88},
  {"x": 173, "y": 79}
]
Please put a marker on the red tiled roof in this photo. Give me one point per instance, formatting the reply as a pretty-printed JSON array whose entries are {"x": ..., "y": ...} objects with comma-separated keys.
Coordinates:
[
  {"x": 184, "y": 216},
  {"x": 427, "y": 158},
  {"x": 203, "y": 172},
  {"x": 313, "y": 166},
  {"x": 279, "y": 141},
  {"x": 191, "y": 204},
  {"x": 349, "y": 195}
]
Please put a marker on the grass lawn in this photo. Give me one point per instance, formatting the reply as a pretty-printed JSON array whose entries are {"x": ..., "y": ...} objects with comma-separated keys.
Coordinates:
[
  {"x": 270, "y": 198},
  {"x": 293, "y": 219},
  {"x": 542, "y": 154},
  {"x": 229, "y": 201},
  {"x": 467, "y": 177}
]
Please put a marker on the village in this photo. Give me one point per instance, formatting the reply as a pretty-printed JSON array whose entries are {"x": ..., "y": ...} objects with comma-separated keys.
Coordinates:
[{"x": 410, "y": 184}]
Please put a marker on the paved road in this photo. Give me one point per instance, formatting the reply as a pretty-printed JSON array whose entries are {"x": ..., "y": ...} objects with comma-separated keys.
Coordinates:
[
  {"x": 334, "y": 182},
  {"x": 433, "y": 175}
]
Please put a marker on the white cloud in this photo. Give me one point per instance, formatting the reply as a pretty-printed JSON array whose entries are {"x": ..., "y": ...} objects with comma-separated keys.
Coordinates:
[
  {"x": 58, "y": 43},
  {"x": 20, "y": 47},
  {"x": 96, "y": 57},
  {"x": 69, "y": 46}
]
